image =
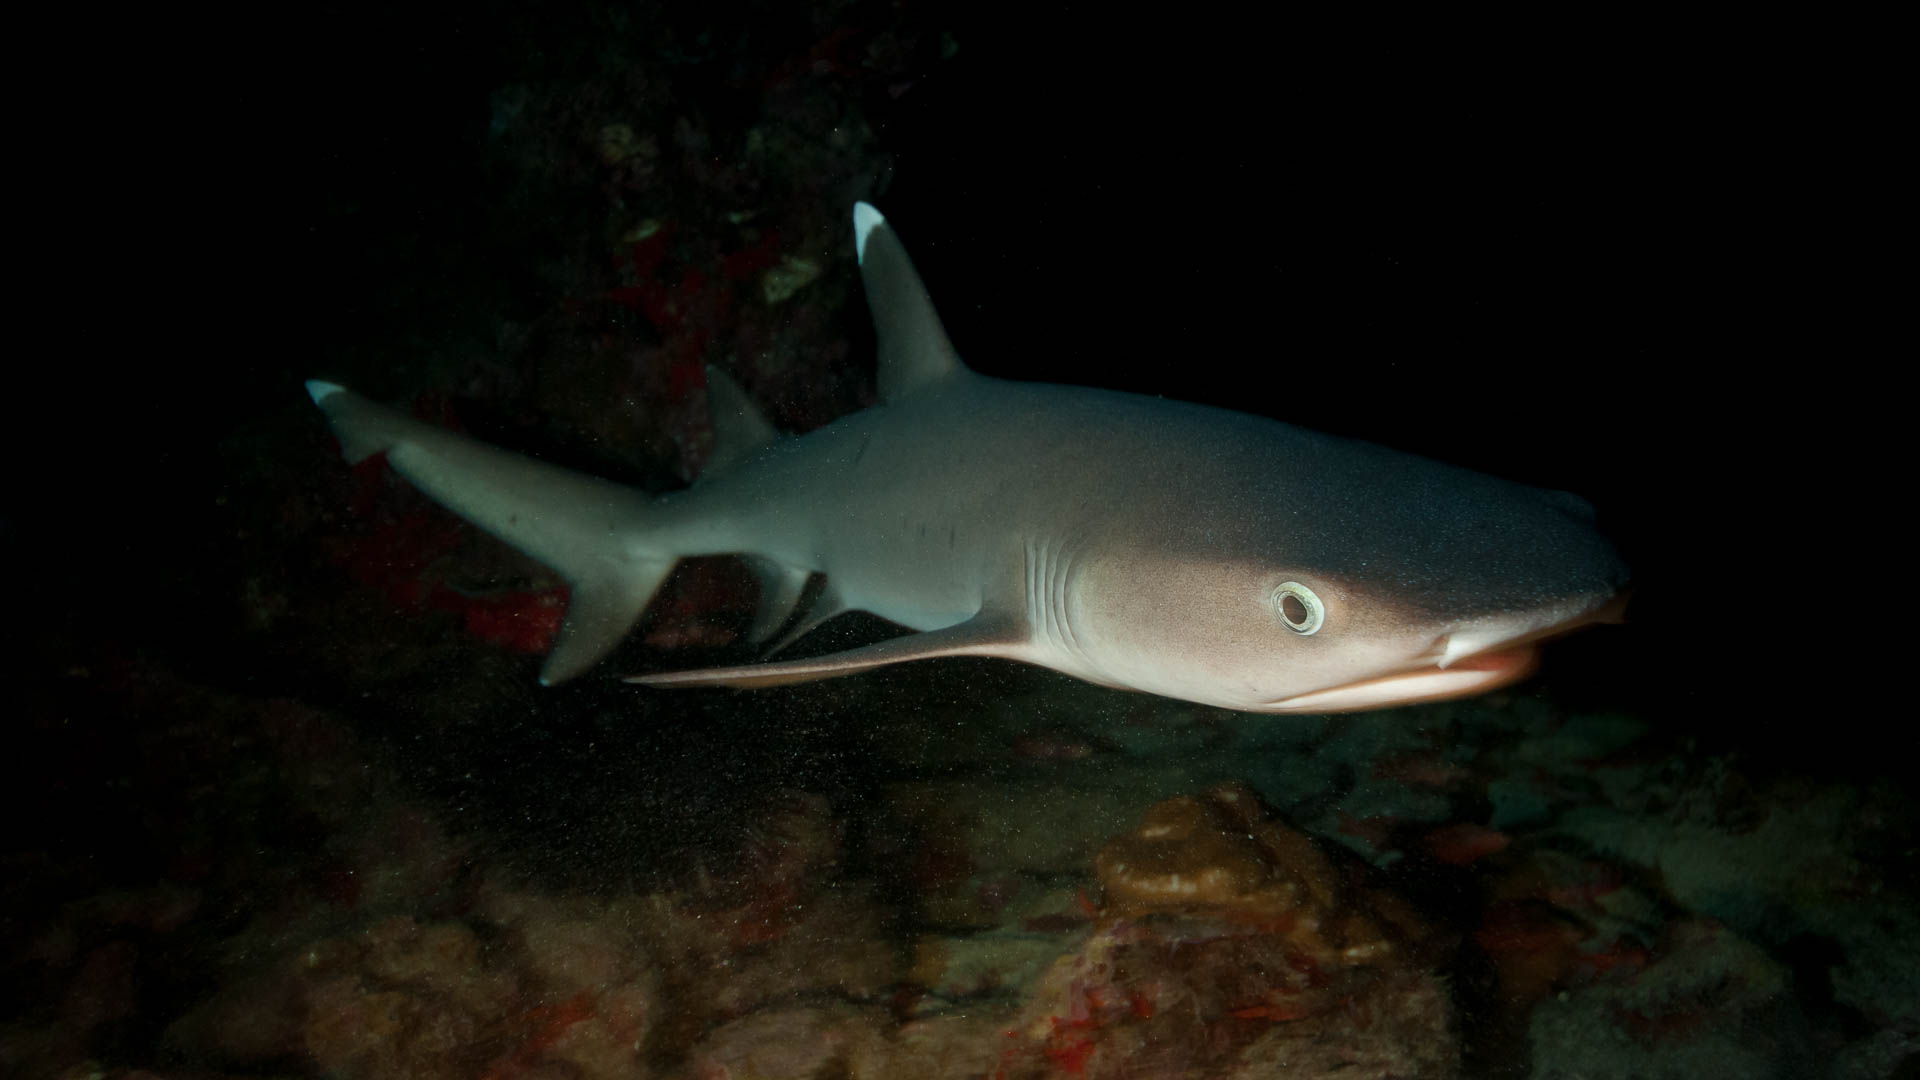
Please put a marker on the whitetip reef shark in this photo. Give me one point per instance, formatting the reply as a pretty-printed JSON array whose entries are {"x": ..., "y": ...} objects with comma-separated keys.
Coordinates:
[{"x": 1182, "y": 550}]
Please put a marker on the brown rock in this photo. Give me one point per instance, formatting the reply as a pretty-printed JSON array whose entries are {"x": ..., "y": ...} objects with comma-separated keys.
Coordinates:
[{"x": 1219, "y": 854}]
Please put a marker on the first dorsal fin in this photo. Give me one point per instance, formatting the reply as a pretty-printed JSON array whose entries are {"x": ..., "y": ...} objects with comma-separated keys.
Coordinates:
[
  {"x": 914, "y": 350},
  {"x": 739, "y": 428}
]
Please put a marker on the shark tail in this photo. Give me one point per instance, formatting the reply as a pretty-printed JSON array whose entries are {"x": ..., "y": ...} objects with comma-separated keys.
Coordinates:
[{"x": 591, "y": 531}]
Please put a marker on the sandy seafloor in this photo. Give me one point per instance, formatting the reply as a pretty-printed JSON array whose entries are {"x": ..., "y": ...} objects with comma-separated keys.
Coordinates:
[{"x": 287, "y": 801}]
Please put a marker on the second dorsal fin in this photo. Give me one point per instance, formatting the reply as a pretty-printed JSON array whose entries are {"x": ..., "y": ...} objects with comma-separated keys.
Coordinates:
[{"x": 739, "y": 428}]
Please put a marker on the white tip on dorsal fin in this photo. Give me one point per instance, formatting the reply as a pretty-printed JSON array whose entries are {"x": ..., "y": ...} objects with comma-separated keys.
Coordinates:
[
  {"x": 739, "y": 428},
  {"x": 914, "y": 350}
]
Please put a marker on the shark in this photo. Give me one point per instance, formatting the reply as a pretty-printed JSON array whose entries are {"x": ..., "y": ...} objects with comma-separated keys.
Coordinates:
[{"x": 1192, "y": 552}]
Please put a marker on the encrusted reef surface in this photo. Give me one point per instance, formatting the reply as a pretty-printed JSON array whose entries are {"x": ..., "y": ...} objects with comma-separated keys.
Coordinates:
[
  {"x": 1025, "y": 883},
  {"x": 1227, "y": 944}
]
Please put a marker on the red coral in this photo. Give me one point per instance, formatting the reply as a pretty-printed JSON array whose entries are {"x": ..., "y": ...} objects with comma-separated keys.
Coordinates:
[
  {"x": 544, "y": 1025},
  {"x": 403, "y": 538},
  {"x": 1071, "y": 1043},
  {"x": 524, "y": 621},
  {"x": 1462, "y": 844},
  {"x": 688, "y": 312},
  {"x": 1626, "y": 959},
  {"x": 1277, "y": 1011},
  {"x": 1532, "y": 949}
]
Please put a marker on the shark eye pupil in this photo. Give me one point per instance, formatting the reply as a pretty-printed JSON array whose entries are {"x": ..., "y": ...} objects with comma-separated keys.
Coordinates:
[{"x": 1298, "y": 607}]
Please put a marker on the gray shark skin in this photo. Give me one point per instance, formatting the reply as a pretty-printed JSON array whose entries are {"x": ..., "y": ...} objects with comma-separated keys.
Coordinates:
[{"x": 1188, "y": 551}]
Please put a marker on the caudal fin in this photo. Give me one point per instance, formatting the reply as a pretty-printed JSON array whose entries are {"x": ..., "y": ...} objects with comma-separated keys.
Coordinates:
[{"x": 583, "y": 527}]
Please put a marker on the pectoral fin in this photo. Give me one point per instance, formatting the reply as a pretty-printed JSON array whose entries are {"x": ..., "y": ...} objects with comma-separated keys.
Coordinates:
[{"x": 986, "y": 634}]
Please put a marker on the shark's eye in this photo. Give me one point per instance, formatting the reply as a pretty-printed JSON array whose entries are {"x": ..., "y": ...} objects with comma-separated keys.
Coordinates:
[{"x": 1298, "y": 607}]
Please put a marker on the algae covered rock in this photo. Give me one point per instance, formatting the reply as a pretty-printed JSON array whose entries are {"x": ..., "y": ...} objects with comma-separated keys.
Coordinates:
[
  {"x": 1218, "y": 854},
  {"x": 1231, "y": 945}
]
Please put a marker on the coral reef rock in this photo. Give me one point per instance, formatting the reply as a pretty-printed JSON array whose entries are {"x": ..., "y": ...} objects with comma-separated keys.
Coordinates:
[
  {"x": 1218, "y": 854},
  {"x": 1232, "y": 946}
]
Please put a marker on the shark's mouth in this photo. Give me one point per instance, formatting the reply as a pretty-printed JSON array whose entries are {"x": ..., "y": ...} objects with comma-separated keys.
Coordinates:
[
  {"x": 1474, "y": 674},
  {"x": 1457, "y": 665}
]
